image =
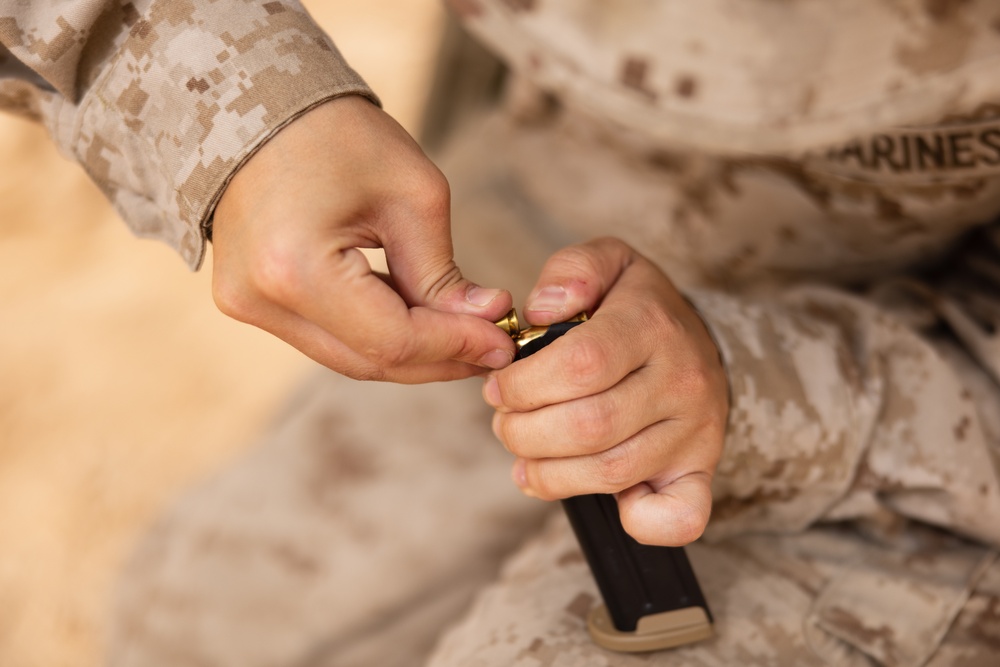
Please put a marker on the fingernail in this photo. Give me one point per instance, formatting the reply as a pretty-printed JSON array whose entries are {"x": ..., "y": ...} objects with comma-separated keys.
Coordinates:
[
  {"x": 549, "y": 300},
  {"x": 496, "y": 359},
  {"x": 491, "y": 392},
  {"x": 519, "y": 473},
  {"x": 481, "y": 296}
]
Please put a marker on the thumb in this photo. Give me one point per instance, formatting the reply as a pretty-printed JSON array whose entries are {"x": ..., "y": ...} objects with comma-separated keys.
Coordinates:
[
  {"x": 673, "y": 516},
  {"x": 420, "y": 257},
  {"x": 576, "y": 278}
]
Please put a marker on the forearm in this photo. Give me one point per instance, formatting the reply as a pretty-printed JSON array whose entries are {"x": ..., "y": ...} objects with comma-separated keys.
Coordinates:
[{"x": 844, "y": 408}]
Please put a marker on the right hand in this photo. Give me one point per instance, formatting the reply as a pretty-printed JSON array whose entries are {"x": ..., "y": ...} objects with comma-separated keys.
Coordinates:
[
  {"x": 634, "y": 402},
  {"x": 286, "y": 235}
]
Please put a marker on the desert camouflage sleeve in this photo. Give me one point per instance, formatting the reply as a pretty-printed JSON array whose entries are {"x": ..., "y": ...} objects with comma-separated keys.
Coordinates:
[
  {"x": 877, "y": 407},
  {"x": 161, "y": 101}
]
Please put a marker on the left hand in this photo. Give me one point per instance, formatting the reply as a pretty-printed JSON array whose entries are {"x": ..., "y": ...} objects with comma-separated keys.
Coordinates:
[
  {"x": 286, "y": 241},
  {"x": 633, "y": 402}
]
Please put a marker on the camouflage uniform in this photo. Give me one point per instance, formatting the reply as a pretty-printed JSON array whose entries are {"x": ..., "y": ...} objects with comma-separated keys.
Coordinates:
[
  {"x": 821, "y": 178},
  {"x": 161, "y": 102}
]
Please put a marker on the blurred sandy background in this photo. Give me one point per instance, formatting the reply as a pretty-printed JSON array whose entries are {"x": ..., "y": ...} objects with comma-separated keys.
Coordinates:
[{"x": 120, "y": 383}]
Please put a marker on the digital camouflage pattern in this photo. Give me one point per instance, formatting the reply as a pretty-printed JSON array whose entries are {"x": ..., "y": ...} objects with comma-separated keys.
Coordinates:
[
  {"x": 820, "y": 177},
  {"x": 340, "y": 541},
  {"x": 842, "y": 251},
  {"x": 789, "y": 582},
  {"x": 836, "y": 392},
  {"x": 162, "y": 100},
  {"x": 777, "y": 600},
  {"x": 750, "y": 76}
]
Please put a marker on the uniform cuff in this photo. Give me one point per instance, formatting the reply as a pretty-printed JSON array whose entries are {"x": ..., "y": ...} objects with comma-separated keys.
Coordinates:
[{"x": 193, "y": 91}]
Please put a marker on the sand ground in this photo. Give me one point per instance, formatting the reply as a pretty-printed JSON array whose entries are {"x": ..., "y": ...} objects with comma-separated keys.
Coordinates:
[{"x": 120, "y": 383}]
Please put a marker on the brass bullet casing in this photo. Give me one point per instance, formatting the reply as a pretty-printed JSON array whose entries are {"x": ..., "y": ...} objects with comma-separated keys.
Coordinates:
[{"x": 512, "y": 327}]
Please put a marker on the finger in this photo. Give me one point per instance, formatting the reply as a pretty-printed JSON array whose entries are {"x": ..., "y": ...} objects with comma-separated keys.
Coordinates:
[
  {"x": 653, "y": 452},
  {"x": 583, "y": 362},
  {"x": 638, "y": 322},
  {"x": 576, "y": 278},
  {"x": 340, "y": 294},
  {"x": 672, "y": 516},
  {"x": 420, "y": 256},
  {"x": 322, "y": 347},
  {"x": 587, "y": 425}
]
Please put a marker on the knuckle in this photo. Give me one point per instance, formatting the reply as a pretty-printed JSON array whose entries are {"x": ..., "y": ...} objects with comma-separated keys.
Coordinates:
[
  {"x": 451, "y": 277},
  {"x": 365, "y": 374},
  {"x": 388, "y": 348},
  {"x": 430, "y": 195},
  {"x": 616, "y": 467},
  {"x": 389, "y": 354},
  {"x": 230, "y": 299},
  {"x": 586, "y": 361},
  {"x": 694, "y": 381},
  {"x": 689, "y": 523},
  {"x": 503, "y": 430},
  {"x": 593, "y": 424},
  {"x": 713, "y": 429},
  {"x": 541, "y": 483},
  {"x": 276, "y": 274},
  {"x": 351, "y": 366},
  {"x": 664, "y": 324}
]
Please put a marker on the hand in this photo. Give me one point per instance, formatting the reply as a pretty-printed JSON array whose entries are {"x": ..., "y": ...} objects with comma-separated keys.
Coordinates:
[
  {"x": 632, "y": 402},
  {"x": 286, "y": 235}
]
